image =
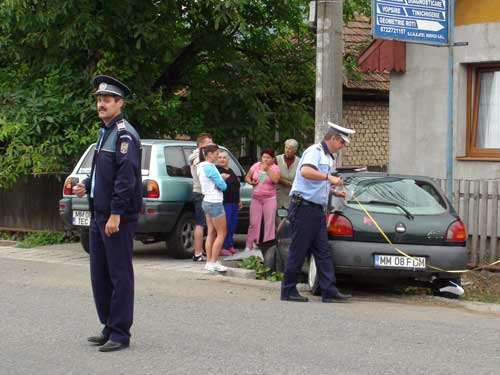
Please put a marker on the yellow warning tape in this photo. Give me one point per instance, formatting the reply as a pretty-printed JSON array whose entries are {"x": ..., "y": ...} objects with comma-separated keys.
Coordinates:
[{"x": 409, "y": 256}]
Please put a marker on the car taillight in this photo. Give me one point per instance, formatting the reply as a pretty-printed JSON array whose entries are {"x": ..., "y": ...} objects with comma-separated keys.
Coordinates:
[
  {"x": 338, "y": 225},
  {"x": 152, "y": 189},
  {"x": 68, "y": 185},
  {"x": 456, "y": 231}
]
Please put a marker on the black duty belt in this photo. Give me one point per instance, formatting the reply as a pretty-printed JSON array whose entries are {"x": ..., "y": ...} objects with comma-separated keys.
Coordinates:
[{"x": 300, "y": 200}]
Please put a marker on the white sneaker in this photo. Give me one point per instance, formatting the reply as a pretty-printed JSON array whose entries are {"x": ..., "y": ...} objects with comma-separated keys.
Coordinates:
[
  {"x": 219, "y": 267},
  {"x": 247, "y": 249},
  {"x": 209, "y": 266}
]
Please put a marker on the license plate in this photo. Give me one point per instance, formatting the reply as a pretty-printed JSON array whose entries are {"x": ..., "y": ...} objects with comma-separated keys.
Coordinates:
[
  {"x": 396, "y": 261},
  {"x": 81, "y": 218}
]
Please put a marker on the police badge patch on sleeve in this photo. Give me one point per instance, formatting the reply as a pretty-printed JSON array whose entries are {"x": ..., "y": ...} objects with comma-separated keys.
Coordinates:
[{"x": 124, "y": 147}]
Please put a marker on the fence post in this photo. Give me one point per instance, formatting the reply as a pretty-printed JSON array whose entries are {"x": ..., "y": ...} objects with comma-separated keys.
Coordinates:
[
  {"x": 456, "y": 195},
  {"x": 494, "y": 254},
  {"x": 465, "y": 216},
  {"x": 475, "y": 222},
  {"x": 483, "y": 222}
]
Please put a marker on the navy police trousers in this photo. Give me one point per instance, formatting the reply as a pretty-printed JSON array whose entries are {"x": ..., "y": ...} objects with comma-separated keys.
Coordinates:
[
  {"x": 112, "y": 277},
  {"x": 308, "y": 224}
]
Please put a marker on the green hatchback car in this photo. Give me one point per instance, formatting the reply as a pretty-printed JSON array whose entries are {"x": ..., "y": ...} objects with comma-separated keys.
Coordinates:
[{"x": 168, "y": 210}]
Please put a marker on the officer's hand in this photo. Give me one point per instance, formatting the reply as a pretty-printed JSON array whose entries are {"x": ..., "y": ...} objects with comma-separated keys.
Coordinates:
[
  {"x": 340, "y": 194},
  {"x": 112, "y": 225},
  {"x": 337, "y": 181},
  {"x": 79, "y": 190}
]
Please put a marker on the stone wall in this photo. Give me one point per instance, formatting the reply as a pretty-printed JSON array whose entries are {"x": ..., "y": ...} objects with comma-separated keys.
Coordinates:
[{"x": 370, "y": 145}]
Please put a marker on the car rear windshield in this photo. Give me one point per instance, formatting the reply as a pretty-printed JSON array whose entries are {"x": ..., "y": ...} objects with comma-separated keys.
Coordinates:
[
  {"x": 399, "y": 194},
  {"x": 146, "y": 157}
]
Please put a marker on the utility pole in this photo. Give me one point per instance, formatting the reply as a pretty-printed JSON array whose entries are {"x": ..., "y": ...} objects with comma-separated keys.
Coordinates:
[{"x": 329, "y": 67}]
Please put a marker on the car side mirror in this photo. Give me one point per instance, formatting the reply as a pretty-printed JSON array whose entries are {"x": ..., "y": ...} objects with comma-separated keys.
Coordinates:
[{"x": 282, "y": 212}]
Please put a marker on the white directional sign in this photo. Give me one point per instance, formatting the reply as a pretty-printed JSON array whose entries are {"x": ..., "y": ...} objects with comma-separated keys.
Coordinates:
[{"x": 418, "y": 21}]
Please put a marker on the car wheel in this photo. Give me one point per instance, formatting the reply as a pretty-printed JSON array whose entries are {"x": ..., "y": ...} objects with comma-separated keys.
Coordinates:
[
  {"x": 280, "y": 260},
  {"x": 312, "y": 278},
  {"x": 448, "y": 288},
  {"x": 85, "y": 240},
  {"x": 180, "y": 241},
  {"x": 270, "y": 258}
]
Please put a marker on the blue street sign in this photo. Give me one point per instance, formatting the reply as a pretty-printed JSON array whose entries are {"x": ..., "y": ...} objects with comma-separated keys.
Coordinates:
[{"x": 417, "y": 21}]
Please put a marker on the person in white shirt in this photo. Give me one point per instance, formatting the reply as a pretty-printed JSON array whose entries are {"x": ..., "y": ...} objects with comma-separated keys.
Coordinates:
[{"x": 212, "y": 185}]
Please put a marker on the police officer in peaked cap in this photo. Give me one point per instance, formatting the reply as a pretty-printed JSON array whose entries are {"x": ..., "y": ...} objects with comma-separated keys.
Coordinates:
[
  {"x": 309, "y": 197},
  {"x": 114, "y": 189}
]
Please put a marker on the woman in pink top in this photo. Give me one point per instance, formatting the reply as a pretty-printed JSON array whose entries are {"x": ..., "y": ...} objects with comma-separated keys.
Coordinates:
[{"x": 263, "y": 175}]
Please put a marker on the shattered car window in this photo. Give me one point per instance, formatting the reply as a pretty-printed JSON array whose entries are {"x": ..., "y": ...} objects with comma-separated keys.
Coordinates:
[{"x": 410, "y": 195}]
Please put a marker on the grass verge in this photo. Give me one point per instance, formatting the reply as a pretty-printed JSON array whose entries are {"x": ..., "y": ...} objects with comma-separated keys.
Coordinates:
[
  {"x": 262, "y": 272},
  {"x": 33, "y": 239},
  {"x": 481, "y": 286}
]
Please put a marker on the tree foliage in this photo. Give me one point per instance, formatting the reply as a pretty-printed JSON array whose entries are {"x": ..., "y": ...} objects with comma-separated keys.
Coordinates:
[{"x": 232, "y": 67}]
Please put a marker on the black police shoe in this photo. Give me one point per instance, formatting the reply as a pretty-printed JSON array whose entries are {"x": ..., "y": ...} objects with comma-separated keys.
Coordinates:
[
  {"x": 112, "y": 346},
  {"x": 97, "y": 340},
  {"x": 295, "y": 298},
  {"x": 339, "y": 297}
]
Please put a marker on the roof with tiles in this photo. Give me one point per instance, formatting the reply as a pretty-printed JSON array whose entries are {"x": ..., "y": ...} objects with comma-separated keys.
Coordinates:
[{"x": 357, "y": 36}]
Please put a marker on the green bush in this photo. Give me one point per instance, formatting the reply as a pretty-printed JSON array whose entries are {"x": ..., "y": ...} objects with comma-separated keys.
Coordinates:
[
  {"x": 41, "y": 239},
  {"x": 12, "y": 235},
  {"x": 262, "y": 272}
]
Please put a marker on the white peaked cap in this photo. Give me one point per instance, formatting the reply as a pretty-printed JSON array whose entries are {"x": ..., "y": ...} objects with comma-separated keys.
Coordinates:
[{"x": 343, "y": 132}]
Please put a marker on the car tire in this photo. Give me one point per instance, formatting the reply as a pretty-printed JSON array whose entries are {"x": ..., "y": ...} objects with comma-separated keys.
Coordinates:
[
  {"x": 439, "y": 283},
  {"x": 270, "y": 258},
  {"x": 85, "y": 240},
  {"x": 313, "y": 279},
  {"x": 180, "y": 241},
  {"x": 280, "y": 260}
]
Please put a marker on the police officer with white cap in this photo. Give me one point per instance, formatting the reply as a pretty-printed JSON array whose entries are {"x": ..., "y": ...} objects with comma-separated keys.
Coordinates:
[
  {"x": 309, "y": 198},
  {"x": 114, "y": 189}
]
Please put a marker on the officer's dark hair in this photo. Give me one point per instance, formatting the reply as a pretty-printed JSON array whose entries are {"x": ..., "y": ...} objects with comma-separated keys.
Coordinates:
[
  {"x": 209, "y": 148},
  {"x": 201, "y": 137},
  {"x": 267, "y": 150}
]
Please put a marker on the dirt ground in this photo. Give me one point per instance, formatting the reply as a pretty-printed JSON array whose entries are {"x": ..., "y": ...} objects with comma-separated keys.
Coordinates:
[{"x": 482, "y": 286}]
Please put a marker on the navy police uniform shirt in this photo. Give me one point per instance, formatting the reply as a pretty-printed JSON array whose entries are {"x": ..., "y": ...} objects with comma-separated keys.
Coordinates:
[
  {"x": 115, "y": 182},
  {"x": 318, "y": 157}
]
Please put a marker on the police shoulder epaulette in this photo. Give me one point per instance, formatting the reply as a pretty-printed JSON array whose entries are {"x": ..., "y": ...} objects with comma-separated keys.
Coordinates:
[
  {"x": 319, "y": 146},
  {"x": 120, "y": 125}
]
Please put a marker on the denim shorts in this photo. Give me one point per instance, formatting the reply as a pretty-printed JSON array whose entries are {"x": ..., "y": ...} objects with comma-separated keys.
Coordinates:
[
  {"x": 198, "y": 210},
  {"x": 213, "y": 209}
]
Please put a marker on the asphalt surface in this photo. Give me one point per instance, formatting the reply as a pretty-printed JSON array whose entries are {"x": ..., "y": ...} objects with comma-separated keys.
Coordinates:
[{"x": 190, "y": 322}]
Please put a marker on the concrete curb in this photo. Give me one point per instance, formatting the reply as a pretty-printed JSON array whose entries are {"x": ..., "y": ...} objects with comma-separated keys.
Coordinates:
[
  {"x": 7, "y": 243},
  {"x": 240, "y": 273},
  {"x": 483, "y": 307}
]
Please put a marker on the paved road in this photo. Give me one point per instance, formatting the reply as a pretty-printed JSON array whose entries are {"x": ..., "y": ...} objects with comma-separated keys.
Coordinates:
[{"x": 188, "y": 322}]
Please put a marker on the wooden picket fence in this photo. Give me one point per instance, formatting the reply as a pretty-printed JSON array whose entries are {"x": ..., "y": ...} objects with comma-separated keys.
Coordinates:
[{"x": 477, "y": 204}]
